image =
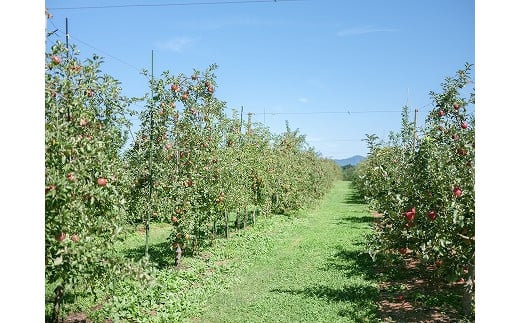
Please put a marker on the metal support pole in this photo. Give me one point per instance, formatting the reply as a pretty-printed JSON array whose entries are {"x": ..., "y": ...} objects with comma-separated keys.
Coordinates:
[{"x": 150, "y": 169}]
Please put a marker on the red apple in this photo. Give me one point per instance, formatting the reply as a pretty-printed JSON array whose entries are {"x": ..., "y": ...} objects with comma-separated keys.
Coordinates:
[
  {"x": 174, "y": 219},
  {"x": 432, "y": 215},
  {"x": 175, "y": 88},
  {"x": 456, "y": 106},
  {"x": 102, "y": 181},
  {"x": 74, "y": 237},
  {"x": 462, "y": 151},
  {"x": 70, "y": 177},
  {"x": 184, "y": 96},
  {"x": 56, "y": 59},
  {"x": 441, "y": 113},
  {"x": 76, "y": 68},
  {"x": 457, "y": 191},
  {"x": 464, "y": 125},
  {"x": 61, "y": 236},
  {"x": 210, "y": 89},
  {"x": 50, "y": 188},
  {"x": 410, "y": 215},
  {"x": 403, "y": 251}
]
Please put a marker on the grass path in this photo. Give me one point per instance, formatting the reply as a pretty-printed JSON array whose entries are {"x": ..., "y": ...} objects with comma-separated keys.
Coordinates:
[
  {"x": 313, "y": 270},
  {"x": 306, "y": 268}
]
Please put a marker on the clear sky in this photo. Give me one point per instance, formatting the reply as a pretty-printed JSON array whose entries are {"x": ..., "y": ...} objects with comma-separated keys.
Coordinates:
[{"x": 310, "y": 62}]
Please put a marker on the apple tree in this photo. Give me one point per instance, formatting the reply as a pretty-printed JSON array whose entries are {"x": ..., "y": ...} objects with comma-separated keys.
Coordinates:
[
  {"x": 424, "y": 187},
  {"x": 85, "y": 182}
]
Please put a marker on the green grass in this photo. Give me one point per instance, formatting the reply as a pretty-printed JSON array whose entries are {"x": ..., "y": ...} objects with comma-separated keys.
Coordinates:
[
  {"x": 308, "y": 267},
  {"x": 312, "y": 270}
]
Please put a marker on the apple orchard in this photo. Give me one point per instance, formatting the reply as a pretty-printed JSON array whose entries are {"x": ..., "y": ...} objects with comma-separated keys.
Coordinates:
[
  {"x": 189, "y": 165},
  {"x": 422, "y": 185},
  {"x": 204, "y": 173}
]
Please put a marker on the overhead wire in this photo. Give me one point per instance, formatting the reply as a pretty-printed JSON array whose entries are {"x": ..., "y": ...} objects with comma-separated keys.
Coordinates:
[
  {"x": 255, "y": 113},
  {"x": 107, "y": 54},
  {"x": 132, "y": 119},
  {"x": 56, "y": 31},
  {"x": 202, "y": 3},
  {"x": 327, "y": 112}
]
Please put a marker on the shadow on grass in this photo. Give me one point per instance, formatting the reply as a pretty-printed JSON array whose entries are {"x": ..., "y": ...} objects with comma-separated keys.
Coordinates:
[
  {"x": 356, "y": 219},
  {"x": 352, "y": 263},
  {"x": 401, "y": 281},
  {"x": 160, "y": 254},
  {"x": 359, "y": 294},
  {"x": 357, "y": 299},
  {"x": 351, "y": 293},
  {"x": 354, "y": 198}
]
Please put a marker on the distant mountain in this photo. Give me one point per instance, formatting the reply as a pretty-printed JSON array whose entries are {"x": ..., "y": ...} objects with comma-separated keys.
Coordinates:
[{"x": 354, "y": 160}]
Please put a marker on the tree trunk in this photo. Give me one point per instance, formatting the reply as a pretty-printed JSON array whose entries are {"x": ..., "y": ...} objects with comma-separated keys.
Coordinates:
[
  {"x": 227, "y": 224},
  {"x": 244, "y": 219},
  {"x": 469, "y": 291},
  {"x": 58, "y": 298},
  {"x": 178, "y": 255},
  {"x": 214, "y": 233}
]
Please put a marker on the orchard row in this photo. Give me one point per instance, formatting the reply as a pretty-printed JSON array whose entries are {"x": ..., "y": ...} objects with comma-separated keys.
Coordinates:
[
  {"x": 422, "y": 184},
  {"x": 189, "y": 164}
]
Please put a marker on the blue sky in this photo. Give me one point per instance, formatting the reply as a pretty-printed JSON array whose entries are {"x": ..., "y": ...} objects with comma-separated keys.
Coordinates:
[{"x": 288, "y": 60}]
